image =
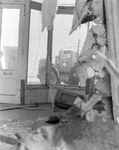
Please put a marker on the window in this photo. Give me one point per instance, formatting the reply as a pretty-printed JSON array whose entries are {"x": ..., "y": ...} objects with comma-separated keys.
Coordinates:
[
  {"x": 66, "y": 49},
  {"x": 37, "y": 50},
  {"x": 9, "y": 38}
]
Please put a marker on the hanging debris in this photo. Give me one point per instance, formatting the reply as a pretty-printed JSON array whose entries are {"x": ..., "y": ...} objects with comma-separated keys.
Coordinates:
[
  {"x": 95, "y": 39},
  {"x": 80, "y": 6},
  {"x": 110, "y": 66},
  {"x": 97, "y": 8},
  {"x": 81, "y": 71},
  {"x": 49, "y": 8},
  {"x": 85, "y": 11}
]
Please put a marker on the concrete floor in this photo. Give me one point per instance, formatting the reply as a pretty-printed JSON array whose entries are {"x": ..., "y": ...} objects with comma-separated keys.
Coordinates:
[
  {"x": 13, "y": 120},
  {"x": 11, "y": 112}
]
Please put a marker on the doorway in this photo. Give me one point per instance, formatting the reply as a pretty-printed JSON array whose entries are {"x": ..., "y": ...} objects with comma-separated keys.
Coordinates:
[{"x": 11, "y": 35}]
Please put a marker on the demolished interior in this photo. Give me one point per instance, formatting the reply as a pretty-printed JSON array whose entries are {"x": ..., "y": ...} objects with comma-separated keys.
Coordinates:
[{"x": 86, "y": 82}]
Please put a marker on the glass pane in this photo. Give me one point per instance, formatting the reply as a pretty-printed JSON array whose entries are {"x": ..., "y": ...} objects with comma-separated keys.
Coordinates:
[
  {"x": 66, "y": 48},
  {"x": 37, "y": 50},
  {"x": 9, "y": 38}
]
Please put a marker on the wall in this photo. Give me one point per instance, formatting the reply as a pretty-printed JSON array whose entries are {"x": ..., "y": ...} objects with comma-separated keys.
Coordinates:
[{"x": 36, "y": 95}]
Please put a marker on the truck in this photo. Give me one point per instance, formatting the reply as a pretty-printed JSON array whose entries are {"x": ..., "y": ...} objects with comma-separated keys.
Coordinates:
[{"x": 61, "y": 69}]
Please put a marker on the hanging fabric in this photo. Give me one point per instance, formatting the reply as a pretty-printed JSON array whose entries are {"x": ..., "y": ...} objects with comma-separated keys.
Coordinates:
[{"x": 49, "y": 8}]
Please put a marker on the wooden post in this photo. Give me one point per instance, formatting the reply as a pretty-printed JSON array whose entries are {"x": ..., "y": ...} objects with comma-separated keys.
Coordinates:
[
  {"x": 25, "y": 52},
  {"x": 22, "y": 93},
  {"x": 49, "y": 57},
  {"x": 112, "y": 18},
  {"x": 49, "y": 65}
]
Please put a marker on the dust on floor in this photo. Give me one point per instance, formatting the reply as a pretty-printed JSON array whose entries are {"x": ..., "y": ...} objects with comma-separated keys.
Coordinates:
[{"x": 102, "y": 134}]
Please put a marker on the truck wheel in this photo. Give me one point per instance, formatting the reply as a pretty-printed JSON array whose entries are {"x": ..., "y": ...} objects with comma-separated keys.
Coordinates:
[{"x": 53, "y": 77}]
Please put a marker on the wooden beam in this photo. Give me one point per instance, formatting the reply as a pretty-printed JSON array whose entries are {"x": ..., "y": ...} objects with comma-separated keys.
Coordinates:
[
  {"x": 22, "y": 92},
  {"x": 61, "y": 9},
  {"x": 49, "y": 56},
  {"x": 25, "y": 43},
  {"x": 12, "y": 1},
  {"x": 65, "y": 10},
  {"x": 69, "y": 10},
  {"x": 112, "y": 18},
  {"x": 36, "y": 5},
  {"x": 8, "y": 140}
]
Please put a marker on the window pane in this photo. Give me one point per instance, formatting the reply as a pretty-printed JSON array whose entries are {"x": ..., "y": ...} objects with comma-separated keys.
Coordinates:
[
  {"x": 37, "y": 50},
  {"x": 65, "y": 50},
  {"x": 9, "y": 38}
]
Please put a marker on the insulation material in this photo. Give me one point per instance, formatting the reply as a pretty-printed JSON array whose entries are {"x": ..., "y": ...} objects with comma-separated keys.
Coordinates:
[
  {"x": 90, "y": 116},
  {"x": 86, "y": 50},
  {"x": 49, "y": 8},
  {"x": 88, "y": 10},
  {"x": 90, "y": 48},
  {"x": 101, "y": 40},
  {"x": 96, "y": 38},
  {"x": 103, "y": 85},
  {"x": 95, "y": 41},
  {"x": 99, "y": 29},
  {"x": 100, "y": 32},
  {"x": 80, "y": 10},
  {"x": 97, "y": 7},
  {"x": 110, "y": 66},
  {"x": 81, "y": 70},
  {"x": 82, "y": 73}
]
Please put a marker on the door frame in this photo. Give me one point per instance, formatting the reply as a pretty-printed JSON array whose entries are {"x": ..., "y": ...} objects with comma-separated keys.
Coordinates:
[{"x": 21, "y": 46}]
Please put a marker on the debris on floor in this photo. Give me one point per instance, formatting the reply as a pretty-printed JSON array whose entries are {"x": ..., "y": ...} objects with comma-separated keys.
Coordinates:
[
  {"x": 75, "y": 134},
  {"x": 69, "y": 133}
]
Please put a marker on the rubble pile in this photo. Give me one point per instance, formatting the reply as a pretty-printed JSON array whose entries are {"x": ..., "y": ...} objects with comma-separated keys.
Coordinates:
[{"x": 73, "y": 133}]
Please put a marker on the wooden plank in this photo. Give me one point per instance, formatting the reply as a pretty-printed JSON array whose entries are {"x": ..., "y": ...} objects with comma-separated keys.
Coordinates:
[
  {"x": 22, "y": 92},
  {"x": 113, "y": 44},
  {"x": 25, "y": 40},
  {"x": 69, "y": 10},
  {"x": 5, "y": 108},
  {"x": 61, "y": 9},
  {"x": 115, "y": 11},
  {"x": 49, "y": 56},
  {"x": 8, "y": 140},
  {"x": 19, "y": 2},
  {"x": 36, "y": 5}
]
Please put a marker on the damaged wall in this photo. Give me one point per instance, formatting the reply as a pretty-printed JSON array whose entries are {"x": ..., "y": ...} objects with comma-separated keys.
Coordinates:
[
  {"x": 96, "y": 40},
  {"x": 35, "y": 94}
]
